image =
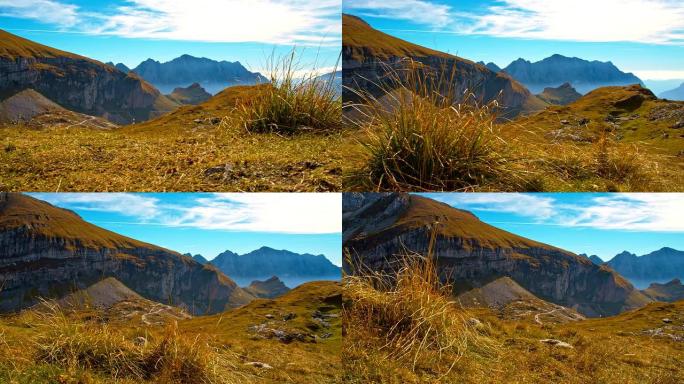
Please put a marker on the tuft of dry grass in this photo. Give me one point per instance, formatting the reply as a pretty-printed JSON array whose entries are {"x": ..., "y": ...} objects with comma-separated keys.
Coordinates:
[
  {"x": 422, "y": 134},
  {"x": 291, "y": 104}
]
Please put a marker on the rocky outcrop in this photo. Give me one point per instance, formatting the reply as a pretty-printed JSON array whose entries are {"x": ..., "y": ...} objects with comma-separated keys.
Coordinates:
[
  {"x": 470, "y": 253},
  {"x": 185, "y": 70},
  {"x": 48, "y": 252},
  {"x": 373, "y": 61},
  {"x": 492, "y": 67},
  {"x": 562, "y": 95},
  {"x": 120, "y": 66},
  {"x": 557, "y": 69},
  {"x": 267, "y": 289},
  {"x": 193, "y": 94},
  {"x": 77, "y": 83}
]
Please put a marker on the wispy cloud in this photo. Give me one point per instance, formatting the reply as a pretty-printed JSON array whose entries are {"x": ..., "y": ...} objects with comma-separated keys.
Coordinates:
[
  {"x": 266, "y": 21},
  {"x": 294, "y": 213},
  {"x": 642, "y": 21},
  {"x": 418, "y": 11},
  {"x": 527, "y": 205},
  {"x": 628, "y": 212},
  {"x": 48, "y": 11}
]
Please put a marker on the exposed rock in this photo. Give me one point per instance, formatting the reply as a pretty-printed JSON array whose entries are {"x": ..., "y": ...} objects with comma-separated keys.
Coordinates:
[
  {"x": 556, "y": 343},
  {"x": 258, "y": 364}
]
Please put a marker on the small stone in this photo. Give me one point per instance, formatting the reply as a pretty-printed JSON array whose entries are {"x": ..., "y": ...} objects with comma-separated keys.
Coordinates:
[
  {"x": 215, "y": 120},
  {"x": 269, "y": 316},
  {"x": 289, "y": 316},
  {"x": 197, "y": 121},
  {"x": 258, "y": 364},
  {"x": 667, "y": 320},
  {"x": 556, "y": 343},
  {"x": 565, "y": 122}
]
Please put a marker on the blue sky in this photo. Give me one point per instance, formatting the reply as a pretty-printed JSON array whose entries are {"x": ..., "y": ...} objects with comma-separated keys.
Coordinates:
[
  {"x": 591, "y": 223},
  {"x": 131, "y": 31},
  {"x": 641, "y": 36},
  {"x": 209, "y": 224}
]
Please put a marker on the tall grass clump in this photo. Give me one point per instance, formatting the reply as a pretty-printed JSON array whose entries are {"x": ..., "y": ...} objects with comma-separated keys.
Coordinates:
[
  {"x": 291, "y": 103},
  {"x": 426, "y": 135},
  {"x": 406, "y": 317}
]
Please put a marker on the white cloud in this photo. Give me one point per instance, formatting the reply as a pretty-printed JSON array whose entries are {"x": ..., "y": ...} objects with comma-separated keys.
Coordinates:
[
  {"x": 529, "y": 205},
  {"x": 267, "y": 21},
  {"x": 417, "y": 11},
  {"x": 634, "y": 211},
  {"x": 294, "y": 213},
  {"x": 48, "y": 11},
  {"x": 651, "y": 212},
  {"x": 132, "y": 205},
  {"x": 310, "y": 213},
  {"x": 658, "y": 74},
  {"x": 643, "y": 21}
]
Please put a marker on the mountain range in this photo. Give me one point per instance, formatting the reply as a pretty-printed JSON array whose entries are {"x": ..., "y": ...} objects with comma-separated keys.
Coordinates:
[
  {"x": 674, "y": 94},
  {"x": 658, "y": 266},
  {"x": 370, "y": 57},
  {"x": 557, "y": 69},
  {"x": 379, "y": 228},
  {"x": 77, "y": 83},
  {"x": 185, "y": 70},
  {"x": 263, "y": 263}
]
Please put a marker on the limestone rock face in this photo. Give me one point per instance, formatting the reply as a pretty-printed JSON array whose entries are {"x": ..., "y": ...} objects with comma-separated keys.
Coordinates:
[
  {"x": 470, "y": 253},
  {"x": 77, "y": 83},
  {"x": 49, "y": 252}
]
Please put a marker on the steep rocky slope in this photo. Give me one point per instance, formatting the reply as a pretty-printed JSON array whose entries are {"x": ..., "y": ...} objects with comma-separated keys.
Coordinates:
[
  {"x": 471, "y": 253},
  {"x": 49, "y": 252},
  {"x": 77, "y": 83},
  {"x": 368, "y": 56},
  {"x": 558, "y": 69}
]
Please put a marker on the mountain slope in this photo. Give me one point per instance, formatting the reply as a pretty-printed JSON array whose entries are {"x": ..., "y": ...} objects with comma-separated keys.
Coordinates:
[
  {"x": 185, "y": 70},
  {"x": 557, "y": 69},
  {"x": 472, "y": 253},
  {"x": 120, "y": 66},
  {"x": 562, "y": 95},
  {"x": 49, "y": 252},
  {"x": 25, "y": 105},
  {"x": 662, "y": 265},
  {"x": 674, "y": 94},
  {"x": 669, "y": 292},
  {"x": 77, "y": 83},
  {"x": 367, "y": 53}
]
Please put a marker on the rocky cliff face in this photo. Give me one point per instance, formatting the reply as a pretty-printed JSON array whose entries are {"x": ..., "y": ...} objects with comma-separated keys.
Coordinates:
[
  {"x": 77, "y": 83},
  {"x": 268, "y": 289},
  {"x": 370, "y": 57},
  {"x": 185, "y": 70},
  {"x": 557, "y": 69},
  {"x": 49, "y": 252},
  {"x": 471, "y": 253}
]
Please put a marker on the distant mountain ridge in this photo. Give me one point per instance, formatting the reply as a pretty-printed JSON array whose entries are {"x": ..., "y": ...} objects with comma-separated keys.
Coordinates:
[
  {"x": 658, "y": 266},
  {"x": 182, "y": 71},
  {"x": 266, "y": 262},
  {"x": 557, "y": 69},
  {"x": 562, "y": 95},
  {"x": 193, "y": 94},
  {"x": 674, "y": 94}
]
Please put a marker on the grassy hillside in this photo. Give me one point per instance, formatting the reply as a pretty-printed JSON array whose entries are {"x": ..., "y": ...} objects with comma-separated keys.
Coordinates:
[
  {"x": 195, "y": 148},
  {"x": 13, "y": 47},
  {"x": 89, "y": 346},
  {"x": 414, "y": 332}
]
